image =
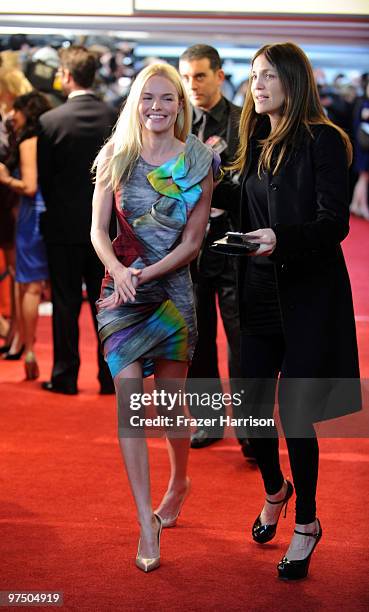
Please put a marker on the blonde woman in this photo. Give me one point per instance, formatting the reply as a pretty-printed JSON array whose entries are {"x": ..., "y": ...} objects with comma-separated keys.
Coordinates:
[{"x": 161, "y": 179}]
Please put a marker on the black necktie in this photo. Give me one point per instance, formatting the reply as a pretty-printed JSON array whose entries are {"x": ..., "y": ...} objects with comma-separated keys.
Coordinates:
[{"x": 201, "y": 132}]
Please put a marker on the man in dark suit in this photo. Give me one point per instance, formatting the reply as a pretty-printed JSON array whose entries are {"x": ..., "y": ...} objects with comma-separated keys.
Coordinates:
[
  {"x": 215, "y": 121},
  {"x": 71, "y": 136}
]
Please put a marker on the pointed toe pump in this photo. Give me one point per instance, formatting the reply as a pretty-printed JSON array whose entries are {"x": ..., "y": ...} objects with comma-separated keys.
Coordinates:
[
  {"x": 149, "y": 564},
  {"x": 172, "y": 521}
]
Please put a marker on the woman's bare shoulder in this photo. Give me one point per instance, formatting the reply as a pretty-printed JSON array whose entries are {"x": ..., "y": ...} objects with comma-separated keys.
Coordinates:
[
  {"x": 106, "y": 152},
  {"x": 28, "y": 146}
]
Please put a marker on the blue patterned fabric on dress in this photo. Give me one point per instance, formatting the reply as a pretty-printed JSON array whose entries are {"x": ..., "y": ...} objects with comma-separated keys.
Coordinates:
[{"x": 31, "y": 260}]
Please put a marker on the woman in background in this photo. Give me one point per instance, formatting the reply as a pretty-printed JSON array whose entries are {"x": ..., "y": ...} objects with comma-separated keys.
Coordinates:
[
  {"x": 360, "y": 198},
  {"x": 13, "y": 83},
  {"x": 31, "y": 270}
]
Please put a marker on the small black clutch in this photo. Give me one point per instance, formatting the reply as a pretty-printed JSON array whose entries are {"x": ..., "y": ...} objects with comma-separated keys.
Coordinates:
[{"x": 234, "y": 243}]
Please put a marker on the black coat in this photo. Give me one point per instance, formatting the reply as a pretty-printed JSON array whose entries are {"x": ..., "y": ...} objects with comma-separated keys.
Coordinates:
[
  {"x": 71, "y": 136},
  {"x": 225, "y": 194},
  {"x": 308, "y": 206}
]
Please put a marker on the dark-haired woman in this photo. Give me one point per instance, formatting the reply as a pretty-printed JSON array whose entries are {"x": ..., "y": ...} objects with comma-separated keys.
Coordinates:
[
  {"x": 13, "y": 83},
  {"x": 31, "y": 270},
  {"x": 295, "y": 295}
]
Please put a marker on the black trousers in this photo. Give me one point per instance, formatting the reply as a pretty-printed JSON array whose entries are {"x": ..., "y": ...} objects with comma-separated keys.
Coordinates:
[
  {"x": 207, "y": 290},
  {"x": 69, "y": 266},
  {"x": 262, "y": 359}
]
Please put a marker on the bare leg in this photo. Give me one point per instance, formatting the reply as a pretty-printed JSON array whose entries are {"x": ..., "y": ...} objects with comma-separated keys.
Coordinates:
[
  {"x": 9, "y": 255},
  {"x": 17, "y": 339},
  {"x": 359, "y": 204},
  {"x": 4, "y": 327},
  {"x": 135, "y": 455},
  {"x": 270, "y": 513},
  {"x": 300, "y": 546},
  {"x": 30, "y": 300},
  {"x": 171, "y": 376}
]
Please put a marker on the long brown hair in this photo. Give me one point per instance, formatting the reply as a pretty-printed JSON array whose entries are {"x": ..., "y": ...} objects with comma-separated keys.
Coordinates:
[{"x": 302, "y": 107}]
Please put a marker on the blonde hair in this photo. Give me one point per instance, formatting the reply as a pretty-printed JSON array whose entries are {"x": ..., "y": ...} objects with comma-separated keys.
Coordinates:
[
  {"x": 302, "y": 107},
  {"x": 13, "y": 82},
  {"x": 126, "y": 140},
  {"x": 9, "y": 59}
]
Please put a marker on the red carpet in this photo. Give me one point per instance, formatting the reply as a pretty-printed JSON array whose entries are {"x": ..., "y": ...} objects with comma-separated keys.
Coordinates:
[{"x": 67, "y": 518}]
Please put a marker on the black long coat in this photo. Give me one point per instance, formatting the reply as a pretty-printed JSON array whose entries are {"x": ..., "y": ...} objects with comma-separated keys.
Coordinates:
[{"x": 309, "y": 212}]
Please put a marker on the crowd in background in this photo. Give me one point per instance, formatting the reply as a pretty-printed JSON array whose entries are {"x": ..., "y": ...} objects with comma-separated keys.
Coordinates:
[
  {"x": 343, "y": 98},
  {"x": 25, "y": 68},
  {"x": 118, "y": 66}
]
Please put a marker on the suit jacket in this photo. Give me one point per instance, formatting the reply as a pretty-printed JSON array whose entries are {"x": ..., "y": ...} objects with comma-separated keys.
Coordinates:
[
  {"x": 226, "y": 197},
  {"x": 308, "y": 206},
  {"x": 70, "y": 138}
]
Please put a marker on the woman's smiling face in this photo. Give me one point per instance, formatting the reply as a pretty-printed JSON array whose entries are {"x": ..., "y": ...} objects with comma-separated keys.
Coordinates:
[{"x": 159, "y": 105}]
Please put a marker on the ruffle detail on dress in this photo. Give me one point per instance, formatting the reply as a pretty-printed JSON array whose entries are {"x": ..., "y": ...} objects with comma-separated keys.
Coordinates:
[{"x": 178, "y": 180}]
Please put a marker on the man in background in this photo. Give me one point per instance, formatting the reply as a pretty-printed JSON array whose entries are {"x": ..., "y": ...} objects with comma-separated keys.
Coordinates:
[
  {"x": 71, "y": 136},
  {"x": 215, "y": 122}
]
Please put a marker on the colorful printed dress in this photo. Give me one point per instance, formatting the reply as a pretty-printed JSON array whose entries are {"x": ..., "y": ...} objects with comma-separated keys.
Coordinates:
[{"x": 153, "y": 207}]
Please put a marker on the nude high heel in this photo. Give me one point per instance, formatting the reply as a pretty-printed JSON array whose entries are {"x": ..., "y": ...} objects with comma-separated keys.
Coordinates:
[
  {"x": 31, "y": 366},
  {"x": 172, "y": 521},
  {"x": 149, "y": 564}
]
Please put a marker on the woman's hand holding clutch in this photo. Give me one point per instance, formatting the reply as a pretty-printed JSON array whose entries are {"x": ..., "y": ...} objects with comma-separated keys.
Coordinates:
[
  {"x": 259, "y": 242},
  {"x": 266, "y": 238}
]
